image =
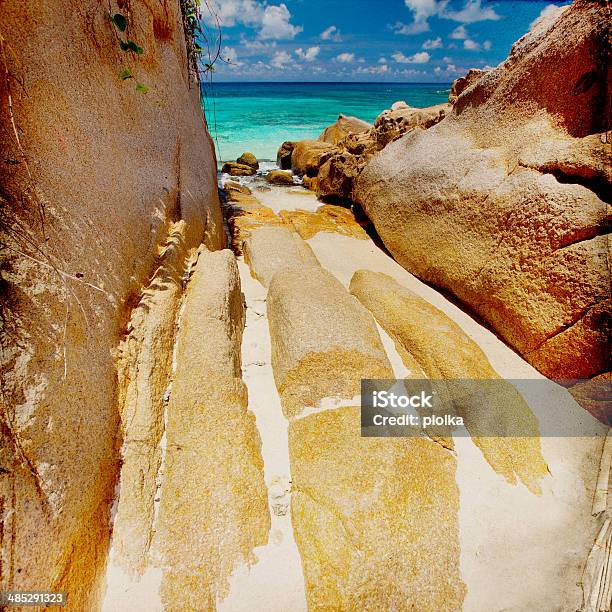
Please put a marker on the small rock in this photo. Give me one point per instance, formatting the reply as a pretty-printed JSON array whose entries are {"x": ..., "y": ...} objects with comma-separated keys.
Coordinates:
[
  {"x": 236, "y": 169},
  {"x": 279, "y": 177},
  {"x": 234, "y": 186},
  {"x": 248, "y": 159}
]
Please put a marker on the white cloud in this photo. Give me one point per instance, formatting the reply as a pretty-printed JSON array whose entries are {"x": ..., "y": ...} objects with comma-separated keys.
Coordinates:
[
  {"x": 230, "y": 55},
  {"x": 280, "y": 59},
  {"x": 381, "y": 69},
  {"x": 471, "y": 45},
  {"x": 382, "y": 60},
  {"x": 309, "y": 54},
  {"x": 418, "y": 58},
  {"x": 331, "y": 33},
  {"x": 345, "y": 58},
  {"x": 459, "y": 33},
  {"x": 472, "y": 12},
  {"x": 486, "y": 45},
  {"x": 275, "y": 24},
  {"x": 272, "y": 21},
  {"x": 423, "y": 10},
  {"x": 408, "y": 29},
  {"x": 433, "y": 43}
]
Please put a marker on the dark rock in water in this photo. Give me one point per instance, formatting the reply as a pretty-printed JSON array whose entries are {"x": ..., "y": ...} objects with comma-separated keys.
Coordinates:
[
  {"x": 283, "y": 157},
  {"x": 248, "y": 159},
  {"x": 279, "y": 177},
  {"x": 236, "y": 169}
]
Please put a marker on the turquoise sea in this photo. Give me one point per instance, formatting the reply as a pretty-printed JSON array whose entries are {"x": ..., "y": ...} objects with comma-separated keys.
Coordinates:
[{"x": 258, "y": 117}]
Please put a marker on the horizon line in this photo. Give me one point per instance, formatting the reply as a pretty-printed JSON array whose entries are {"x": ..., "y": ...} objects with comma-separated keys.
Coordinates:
[{"x": 330, "y": 82}]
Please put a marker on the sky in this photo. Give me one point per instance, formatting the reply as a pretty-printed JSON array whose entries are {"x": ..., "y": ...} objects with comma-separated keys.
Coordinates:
[{"x": 421, "y": 41}]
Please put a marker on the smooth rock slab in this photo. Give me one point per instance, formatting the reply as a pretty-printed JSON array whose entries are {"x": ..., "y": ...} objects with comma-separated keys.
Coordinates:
[
  {"x": 323, "y": 341},
  {"x": 445, "y": 352},
  {"x": 267, "y": 250},
  {"x": 214, "y": 509},
  {"x": 375, "y": 519}
]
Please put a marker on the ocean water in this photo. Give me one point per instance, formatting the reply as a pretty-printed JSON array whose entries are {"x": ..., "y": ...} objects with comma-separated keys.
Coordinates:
[{"x": 258, "y": 117}]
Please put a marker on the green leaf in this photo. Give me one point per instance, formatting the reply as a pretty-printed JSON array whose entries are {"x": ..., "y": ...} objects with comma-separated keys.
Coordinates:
[
  {"x": 126, "y": 73},
  {"x": 142, "y": 88},
  {"x": 130, "y": 45},
  {"x": 120, "y": 21}
]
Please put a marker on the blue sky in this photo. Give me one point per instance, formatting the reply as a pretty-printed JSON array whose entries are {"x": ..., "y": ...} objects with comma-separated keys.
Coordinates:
[{"x": 365, "y": 40}]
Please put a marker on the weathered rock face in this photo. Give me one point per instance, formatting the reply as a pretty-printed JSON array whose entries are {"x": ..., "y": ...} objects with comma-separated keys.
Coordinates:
[
  {"x": 309, "y": 155},
  {"x": 271, "y": 249},
  {"x": 279, "y": 177},
  {"x": 462, "y": 83},
  {"x": 89, "y": 201},
  {"x": 364, "y": 507},
  {"x": 248, "y": 159},
  {"x": 342, "y": 128},
  {"x": 501, "y": 203},
  {"x": 448, "y": 355},
  {"x": 391, "y": 124},
  {"x": 337, "y": 175},
  {"x": 237, "y": 169}
]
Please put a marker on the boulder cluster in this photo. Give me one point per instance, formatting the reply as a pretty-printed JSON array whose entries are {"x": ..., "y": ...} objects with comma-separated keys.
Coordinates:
[
  {"x": 245, "y": 165},
  {"x": 331, "y": 164}
]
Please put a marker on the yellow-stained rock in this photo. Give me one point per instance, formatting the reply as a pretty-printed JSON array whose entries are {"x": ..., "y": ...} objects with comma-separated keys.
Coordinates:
[
  {"x": 144, "y": 366},
  {"x": 446, "y": 352},
  {"x": 267, "y": 250},
  {"x": 375, "y": 519},
  {"x": 327, "y": 218},
  {"x": 323, "y": 341},
  {"x": 279, "y": 177},
  {"x": 245, "y": 213},
  {"x": 213, "y": 509}
]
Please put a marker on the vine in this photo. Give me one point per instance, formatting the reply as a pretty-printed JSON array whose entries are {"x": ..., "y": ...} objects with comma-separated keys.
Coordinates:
[{"x": 126, "y": 44}]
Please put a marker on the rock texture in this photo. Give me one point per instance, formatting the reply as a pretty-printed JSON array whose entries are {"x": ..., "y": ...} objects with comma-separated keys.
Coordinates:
[
  {"x": 440, "y": 349},
  {"x": 270, "y": 249},
  {"x": 283, "y": 157},
  {"x": 323, "y": 340},
  {"x": 237, "y": 169},
  {"x": 343, "y": 127},
  {"x": 309, "y": 155},
  {"x": 248, "y": 159},
  {"x": 90, "y": 194},
  {"x": 279, "y": 177},
  {"x": 327, "y": 218},
  {"x": 145, "y": 371},
  {"x": 214, "y": 506},
  {"x": 502, "y": 202},
  {"x": 462, "y": 83},
  {"x": 337, "y": 175},
  {"x": 376, "y": 519}
]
